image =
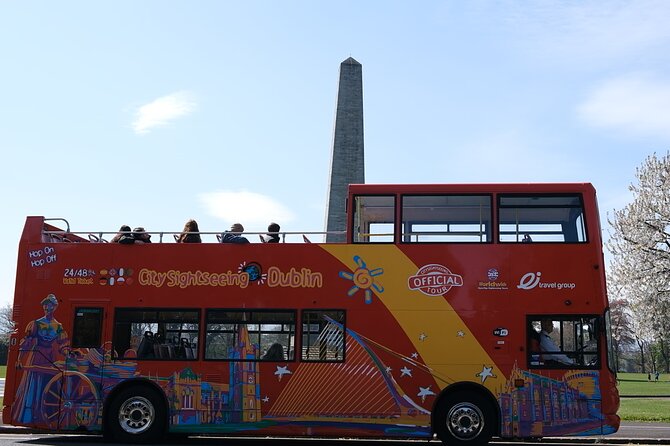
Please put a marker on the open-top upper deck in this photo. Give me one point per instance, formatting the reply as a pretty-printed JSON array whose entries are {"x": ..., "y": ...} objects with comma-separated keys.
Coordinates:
[{"x": 426, "y": 213}]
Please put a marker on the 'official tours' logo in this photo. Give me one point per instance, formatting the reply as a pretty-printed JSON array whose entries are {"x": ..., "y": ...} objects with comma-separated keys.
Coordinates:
[{"x": 434, "y": 280}]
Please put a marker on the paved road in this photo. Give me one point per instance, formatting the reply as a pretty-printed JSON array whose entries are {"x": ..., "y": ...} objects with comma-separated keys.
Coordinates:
[
  {"x": 7, "y": 439},
  {"x": 629, "y": 433}
]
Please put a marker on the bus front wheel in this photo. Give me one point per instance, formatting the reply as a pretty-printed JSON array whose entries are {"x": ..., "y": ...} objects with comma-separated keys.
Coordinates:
[
  {"x": 464, "y": 419},
  {"x": 136, "y": 415}
]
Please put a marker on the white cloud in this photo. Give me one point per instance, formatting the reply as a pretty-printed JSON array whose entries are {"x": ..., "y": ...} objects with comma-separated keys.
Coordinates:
[
  {"x": 248, "y": 208},
  {"x": 162, "y": 111},
  {"x": 635, "y": 103}
]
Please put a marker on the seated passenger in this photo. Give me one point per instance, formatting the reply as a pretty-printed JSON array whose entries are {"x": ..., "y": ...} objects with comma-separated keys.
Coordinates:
[
  {"x": 547, "y": 344},
  {"x": 141, "y": 236},
  {"x": 233, "y": 236},
  {"x": 273, "y": 234},
  {"x": 274, "y": 353},
  {"x": 124, "y": 236},
  {"x": 190, "y": 234},
  {"x": 526, "y": 239}
]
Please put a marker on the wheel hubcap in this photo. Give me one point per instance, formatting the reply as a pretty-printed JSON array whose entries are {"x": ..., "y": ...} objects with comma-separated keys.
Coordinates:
[
  {"x": 465, "y": 421},
  {"x": 136, "y": 415}
]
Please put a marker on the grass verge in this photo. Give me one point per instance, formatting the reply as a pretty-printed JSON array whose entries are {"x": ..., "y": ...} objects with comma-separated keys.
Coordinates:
[{"x": 645, "y": 409}]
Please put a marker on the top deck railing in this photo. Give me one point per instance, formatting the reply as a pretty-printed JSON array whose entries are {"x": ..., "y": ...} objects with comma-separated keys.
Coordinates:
[{"x": 67, "y": 236}]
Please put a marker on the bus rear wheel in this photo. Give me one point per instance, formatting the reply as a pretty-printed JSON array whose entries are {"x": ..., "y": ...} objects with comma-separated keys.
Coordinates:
[
  {"x": 464, "y": 419},
  {"x": 136, "y": 415}
]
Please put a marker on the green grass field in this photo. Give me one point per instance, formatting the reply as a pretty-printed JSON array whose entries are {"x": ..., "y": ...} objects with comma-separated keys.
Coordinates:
[
  {"x": 636, "y": 384},
  {"x": 644, "y": 409},
  {"x": 3, "y": 373}
]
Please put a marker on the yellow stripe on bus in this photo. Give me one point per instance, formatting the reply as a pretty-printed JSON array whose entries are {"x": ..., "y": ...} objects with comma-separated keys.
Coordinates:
[{"x": 441, "y": 338}]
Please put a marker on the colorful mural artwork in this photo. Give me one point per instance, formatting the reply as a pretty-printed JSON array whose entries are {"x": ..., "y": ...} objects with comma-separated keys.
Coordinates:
[
  {"x": 542, "y": 406},
  {"x": 45, "y": 340}
]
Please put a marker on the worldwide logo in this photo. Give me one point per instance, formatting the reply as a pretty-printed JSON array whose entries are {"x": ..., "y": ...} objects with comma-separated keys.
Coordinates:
[
  {"x": 492, "y": 283},
  {"x": 434, "y": 280}
]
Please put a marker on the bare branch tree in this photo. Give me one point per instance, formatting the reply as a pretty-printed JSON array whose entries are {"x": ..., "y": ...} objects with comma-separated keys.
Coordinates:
[
  {"x": 640, "y": 245},
  {"x": 7, "y": 325}
]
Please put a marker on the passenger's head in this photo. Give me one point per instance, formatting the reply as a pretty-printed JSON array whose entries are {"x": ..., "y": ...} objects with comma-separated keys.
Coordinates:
[
  {"x": 547, "y": 325},
  {"x": 191, "y": 226},
  {"x": 237, "y": 228},
  {"x": 140, "y": 234},
  {"x": 273, "y": 228},
  {"x": 125, "y": 228}
]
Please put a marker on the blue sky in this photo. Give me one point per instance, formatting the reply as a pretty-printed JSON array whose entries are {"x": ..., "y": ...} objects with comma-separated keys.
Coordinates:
[{"x": 150, "y": 113}]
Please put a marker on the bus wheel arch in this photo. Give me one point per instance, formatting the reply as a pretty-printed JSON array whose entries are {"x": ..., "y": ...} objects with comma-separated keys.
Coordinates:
[
  {"x": 465, "y": 414},
  {"x": 135, "y": 412}
]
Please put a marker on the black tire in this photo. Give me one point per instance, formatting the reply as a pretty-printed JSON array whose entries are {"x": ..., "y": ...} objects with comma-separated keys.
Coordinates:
[
  {"x": 136, "y": 415},
  {"x": 464, "y": 418}
]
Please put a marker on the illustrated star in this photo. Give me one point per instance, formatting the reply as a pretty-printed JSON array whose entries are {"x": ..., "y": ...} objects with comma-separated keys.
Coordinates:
[
  {"x": 415, "y": 355},
  {"x": 388, "y": 369},
  {"x": 266, "y": 399},
  {"x": 405, "y": 372},
  {"x": 485, "y": 373},
  {"x": 281, "y": 371},
  {"x": 424, "y": 392},
  {"x": 460, "y": 333},
  {"x": 422, "y": 336}
]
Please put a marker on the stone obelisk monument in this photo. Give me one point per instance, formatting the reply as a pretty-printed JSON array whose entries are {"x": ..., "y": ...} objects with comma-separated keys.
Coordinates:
[{"x": 347, "y": 164}]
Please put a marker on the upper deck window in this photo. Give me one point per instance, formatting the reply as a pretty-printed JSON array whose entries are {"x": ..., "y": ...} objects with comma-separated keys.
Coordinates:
[
  {"x": 374, "y": 218},
  {"x": 541, "y": 218},
  {"x": 446, "y": 218}
]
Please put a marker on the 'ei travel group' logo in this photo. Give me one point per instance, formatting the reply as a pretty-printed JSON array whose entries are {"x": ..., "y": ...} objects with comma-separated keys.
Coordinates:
[
  {"x": 434, "y": 280},
  {"x": 534, "y": 280}
]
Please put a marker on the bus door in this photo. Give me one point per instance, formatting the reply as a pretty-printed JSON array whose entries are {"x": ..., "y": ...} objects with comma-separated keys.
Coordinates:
[{"x": 81, "y": 381}]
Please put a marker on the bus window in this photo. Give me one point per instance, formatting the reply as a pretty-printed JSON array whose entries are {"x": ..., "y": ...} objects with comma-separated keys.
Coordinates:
[
  {"x": 87, "y": 330},
  {"x": 261, "y": 332},
  {"x": 374, "y": 219},
  {"x": 563, "y": 342},
  {"x": 156, "y": 333},
  {"x": 541, "y": 218},
  {"x": 323, "y": 336},
  {"x": 446, "y": 218}
]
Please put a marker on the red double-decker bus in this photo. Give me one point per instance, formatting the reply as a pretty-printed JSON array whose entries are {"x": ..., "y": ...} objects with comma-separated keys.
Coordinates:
[{"x": 457, "y": 311}]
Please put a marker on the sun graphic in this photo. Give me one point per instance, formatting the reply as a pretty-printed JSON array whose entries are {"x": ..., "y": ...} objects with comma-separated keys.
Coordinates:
[{"x": 363, "y": 279}]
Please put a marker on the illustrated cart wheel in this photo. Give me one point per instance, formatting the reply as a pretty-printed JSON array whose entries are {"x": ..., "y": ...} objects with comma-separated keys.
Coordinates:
[
  {"x": 464, "y": 418},
  {"x": 70, "y": 400},
  {"x": 136, "y": 415}
]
